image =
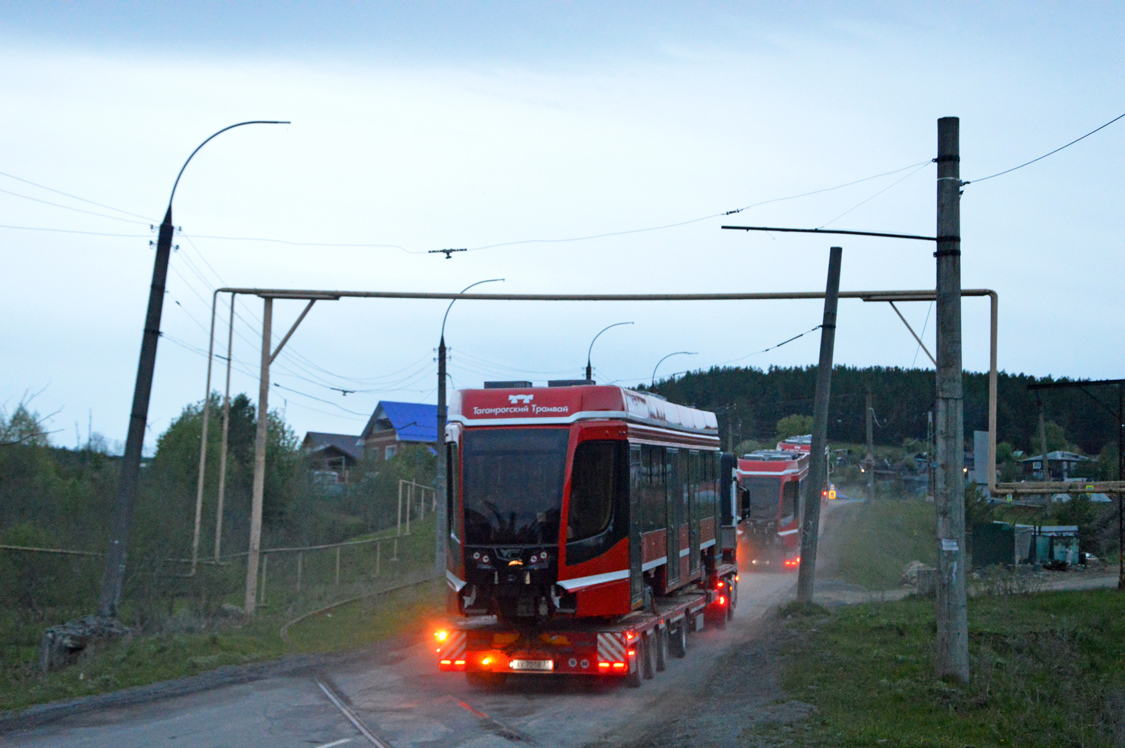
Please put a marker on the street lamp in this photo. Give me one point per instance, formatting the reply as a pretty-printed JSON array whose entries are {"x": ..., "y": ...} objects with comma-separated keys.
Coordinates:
[
  {"x": 114, "y": 575},
  {"x": 442, "y": 520},
  {"x": 590, "y": 369},
  {"x": 677, "y": 353}
]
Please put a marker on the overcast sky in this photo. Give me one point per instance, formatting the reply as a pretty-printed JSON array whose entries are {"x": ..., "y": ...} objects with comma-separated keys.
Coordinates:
[{"x": 420, "y": 126}]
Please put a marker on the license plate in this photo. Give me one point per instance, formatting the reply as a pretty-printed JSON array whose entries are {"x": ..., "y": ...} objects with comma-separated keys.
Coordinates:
[{"x": 537, "y": 665}]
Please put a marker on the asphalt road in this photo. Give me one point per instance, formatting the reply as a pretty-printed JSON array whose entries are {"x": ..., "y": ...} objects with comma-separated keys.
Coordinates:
[{"x": 397, "y": 698}]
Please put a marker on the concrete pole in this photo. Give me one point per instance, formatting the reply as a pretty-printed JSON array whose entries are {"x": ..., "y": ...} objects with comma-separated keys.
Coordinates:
[
  {"x": 870, "y": 459},
  {"x": 949, "y": 491},
  {"x": 818, "y": 462},
  {"x": 441, "y": 519},
  {"x": 114, "y": 576},
  {"x": 226, "y": 434},
  {"x": 259, "y": 462}
]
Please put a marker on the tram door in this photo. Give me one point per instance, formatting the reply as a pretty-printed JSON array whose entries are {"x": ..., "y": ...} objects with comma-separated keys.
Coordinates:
[
  {"x": 674, "y": 490},
  {"x": 692, "y": 487},
  {"x": 636, "y": 503}
]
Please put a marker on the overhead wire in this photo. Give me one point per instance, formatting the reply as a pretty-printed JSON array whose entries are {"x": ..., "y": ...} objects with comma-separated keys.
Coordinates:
[
  {"x": 75, "y": 197},
  {"x": 772, "y": 347},
  {"x": 924, "y": 325},
  {"x": 1045, "y": 155},
  {"x": 76, "y": 210},
  {"x": 880, "y": 192}
]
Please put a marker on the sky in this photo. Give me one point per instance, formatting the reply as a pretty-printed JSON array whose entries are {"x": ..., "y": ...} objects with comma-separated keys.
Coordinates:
[{"x": 571, "y": 147}]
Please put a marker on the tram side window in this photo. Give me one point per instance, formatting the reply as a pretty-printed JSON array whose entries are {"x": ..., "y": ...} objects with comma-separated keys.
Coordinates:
[
  {"x": 790, "y": 496},
  {"x": 598, "y": 469},
  {"x": 653, "y": 497}
]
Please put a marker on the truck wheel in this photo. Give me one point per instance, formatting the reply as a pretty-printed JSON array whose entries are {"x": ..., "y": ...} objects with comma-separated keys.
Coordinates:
[
  {"x": 636, "y": 677},
  {"x": 649, "y": 671},
  {"x": 678, "y": 643},
  {"x": 485, "y": 681},
  {"x": 661, "y": 649},
  {"x": 733, "y": 586}
]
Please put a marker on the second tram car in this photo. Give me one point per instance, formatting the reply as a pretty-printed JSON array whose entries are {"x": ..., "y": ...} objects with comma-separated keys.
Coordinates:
[{"x": 770, "y": 485}]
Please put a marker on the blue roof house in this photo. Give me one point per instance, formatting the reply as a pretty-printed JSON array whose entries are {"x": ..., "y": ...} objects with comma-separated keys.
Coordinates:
[{"x": 395, "y": 423}]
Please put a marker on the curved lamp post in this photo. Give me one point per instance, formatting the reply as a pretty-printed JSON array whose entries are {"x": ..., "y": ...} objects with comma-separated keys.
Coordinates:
[
  {"x": 658, "y": 363},
  {"x": 114, "y": 574},
  {"x": 442, "y": 520},
  {"x": 589, "y": 368}
]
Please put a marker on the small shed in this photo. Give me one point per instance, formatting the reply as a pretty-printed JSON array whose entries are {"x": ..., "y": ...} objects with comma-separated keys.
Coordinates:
[
  {"x": 1008, "y": 544},
  {"x": 333, "y": 456}
]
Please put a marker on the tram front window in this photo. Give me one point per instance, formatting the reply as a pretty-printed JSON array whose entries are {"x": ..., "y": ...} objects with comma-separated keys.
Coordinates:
[
  {"x": 765, "y": 497},
  {"x": 513, "y": 485}
]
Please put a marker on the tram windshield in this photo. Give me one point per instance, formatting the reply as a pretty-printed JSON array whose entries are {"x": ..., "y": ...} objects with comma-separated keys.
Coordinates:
[
  {"x": 765, "y": 496},
  {"x": 513, "y": 485}
]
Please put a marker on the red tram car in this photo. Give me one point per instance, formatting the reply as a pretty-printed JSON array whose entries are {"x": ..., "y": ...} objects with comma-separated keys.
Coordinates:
[
  {"x": 770, "y": 486},
  {"x": 581, "y": 501}
]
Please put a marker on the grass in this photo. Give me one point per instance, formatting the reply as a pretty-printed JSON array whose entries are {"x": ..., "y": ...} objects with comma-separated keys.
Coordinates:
[
  {"x": 206, "y": 644},
  {"x": 1046, "y": 670},
  {"x": 875, "y": 540}
]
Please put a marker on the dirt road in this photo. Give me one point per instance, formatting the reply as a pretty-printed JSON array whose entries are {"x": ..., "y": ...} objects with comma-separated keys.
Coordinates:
[{"x": 394, "y": 696}]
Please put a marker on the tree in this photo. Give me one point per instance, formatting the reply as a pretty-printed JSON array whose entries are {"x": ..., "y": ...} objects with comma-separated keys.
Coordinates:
[
  {"x": 174, "y": 474},
  {"x": 794, "y": 425},
  {"x": 24, "y": 426}
]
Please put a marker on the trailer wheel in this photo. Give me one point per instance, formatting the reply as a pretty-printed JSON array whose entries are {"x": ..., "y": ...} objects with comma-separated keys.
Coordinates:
[
  {"x": 717, "y": 618},
  {"x": 649, "y": 653},
  {"x": 678, "y": 644},
  {"x": 661, "y": 649},
  {"x": 485, "y": 681},
  {"x": 635, "y": 677}
]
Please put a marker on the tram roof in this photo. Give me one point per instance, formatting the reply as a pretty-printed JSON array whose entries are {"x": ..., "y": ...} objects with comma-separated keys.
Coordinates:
[{"x": 559, "y": 405}]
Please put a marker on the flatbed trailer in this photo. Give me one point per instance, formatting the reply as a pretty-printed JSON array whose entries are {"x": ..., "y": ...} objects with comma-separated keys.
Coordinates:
[{"x": 633, "y": 647}]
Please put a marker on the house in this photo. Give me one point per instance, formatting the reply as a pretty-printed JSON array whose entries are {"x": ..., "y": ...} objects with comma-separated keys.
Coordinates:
[
  {"x": 1060, "y": 464},
  {"x": 333, "y": 456},
  {"x": 393, "y": 424}
]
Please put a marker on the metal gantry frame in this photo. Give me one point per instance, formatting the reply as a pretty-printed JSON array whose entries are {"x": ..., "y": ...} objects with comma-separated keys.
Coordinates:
[{"x": 268, "y": 295}]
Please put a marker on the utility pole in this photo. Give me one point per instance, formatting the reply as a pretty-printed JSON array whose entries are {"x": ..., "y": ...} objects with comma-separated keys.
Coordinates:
[
  {"x": 949, "y": 492},
  {"x": 1043, "y": 445},
  {"x": 818, "y": 463},
  {"x": 251, "y": 602},
  {"x": 114, "y": 576},
  {"x": 441, "y": 517},
  {"x": 869, "y": 461}
]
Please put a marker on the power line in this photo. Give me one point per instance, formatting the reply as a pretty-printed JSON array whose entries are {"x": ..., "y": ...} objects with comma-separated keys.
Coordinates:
[
  {"x": 76, "y": 210},
  {"x": 772, "y": 347},
  {"x": 71, "y": 231},
  {"x": 75, "y": 197},
  {"x": 1045, "y": 155}
]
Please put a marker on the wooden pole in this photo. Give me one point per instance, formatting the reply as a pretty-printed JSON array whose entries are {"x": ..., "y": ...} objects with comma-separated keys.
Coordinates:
[
  {"x": 818, "y": 462},
  {"x": 300, "y": 560},
  {"x": 870, "y": 459},
  {"x": 259, "y": 460},
  {"x": 949, "y": 491},
  {"x": 226, "y": 438}
]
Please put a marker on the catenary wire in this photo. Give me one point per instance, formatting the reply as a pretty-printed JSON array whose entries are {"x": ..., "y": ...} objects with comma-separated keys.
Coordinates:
[
  {"x": 880, "y": 192},
  {"x": 924, "y": 325},
  {"x": 1045, "y": 155}
]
